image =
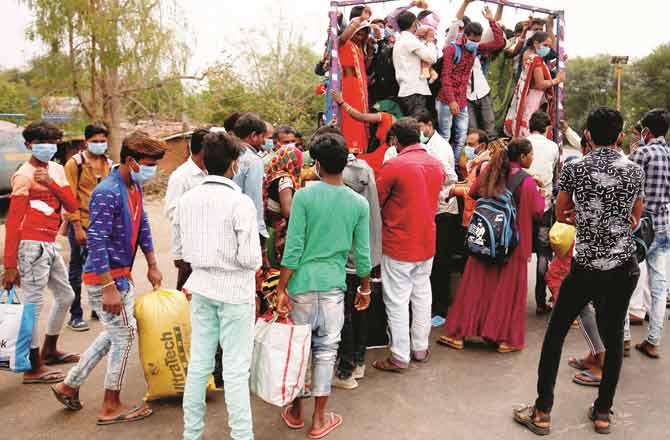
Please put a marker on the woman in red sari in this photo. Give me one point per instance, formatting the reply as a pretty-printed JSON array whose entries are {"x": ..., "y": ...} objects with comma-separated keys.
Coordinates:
[
  {"x": 535, "y": 86},
  {"x": 491, "y": 299},
  {"x": 352, "y": 47}
]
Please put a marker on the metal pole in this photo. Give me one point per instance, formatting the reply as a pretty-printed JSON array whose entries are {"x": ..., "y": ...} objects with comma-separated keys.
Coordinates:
[
  {"x": 559, "y": 90},
  {"x": 332, "y": 110},
  {"x": 619, "y": 72}
]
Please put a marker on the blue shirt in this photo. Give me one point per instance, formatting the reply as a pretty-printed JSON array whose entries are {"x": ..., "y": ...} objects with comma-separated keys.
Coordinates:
[{"x": 250, "y": 180}]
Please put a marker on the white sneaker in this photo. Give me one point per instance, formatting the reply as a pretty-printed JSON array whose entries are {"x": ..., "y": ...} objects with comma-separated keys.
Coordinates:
[
  {"x": 359, "y": 372},
  {"x": 345, "y": 384}
]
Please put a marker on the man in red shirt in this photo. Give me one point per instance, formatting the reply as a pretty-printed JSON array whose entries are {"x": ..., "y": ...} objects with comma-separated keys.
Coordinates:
[
  {"x": 409, "y": 188},
  {"x": 33, "y": 262},
  {"x": 457, "y": 61}
]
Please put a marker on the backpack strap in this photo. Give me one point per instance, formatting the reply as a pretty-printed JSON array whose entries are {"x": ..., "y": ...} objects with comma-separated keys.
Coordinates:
[
  {"x": 458, "y": 53},
  {"x": 517, "y": 179},
  {"x": 80, "y": 160}
]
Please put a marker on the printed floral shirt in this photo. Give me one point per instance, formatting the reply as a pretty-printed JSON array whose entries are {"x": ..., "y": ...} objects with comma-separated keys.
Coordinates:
[{"x": 605, "y": 186}]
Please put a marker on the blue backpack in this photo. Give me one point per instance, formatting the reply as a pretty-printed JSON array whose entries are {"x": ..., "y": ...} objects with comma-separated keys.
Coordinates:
[{"x": 492, "y": 234}]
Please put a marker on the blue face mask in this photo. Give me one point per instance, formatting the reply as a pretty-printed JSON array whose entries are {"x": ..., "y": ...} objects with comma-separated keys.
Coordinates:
[
  {"x": 471, "y": 46},
  {"x": 269, "y": 145},
  {"x": 97, "y": 148},
  {"x": 44, "y": 152},
  {"x": 469, "y": 152},
  {"x": 543, "y": 51},
  {"x": 146, "y": 172}
]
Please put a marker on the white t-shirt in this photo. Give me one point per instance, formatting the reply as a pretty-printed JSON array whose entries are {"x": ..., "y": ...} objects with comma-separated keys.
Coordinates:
[
  {"x": 545, "y": 158},
  {"x": 408, "y": 52}
]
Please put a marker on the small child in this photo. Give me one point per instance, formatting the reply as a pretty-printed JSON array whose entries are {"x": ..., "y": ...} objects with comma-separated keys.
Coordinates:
[{"x": 429, "y": 22}]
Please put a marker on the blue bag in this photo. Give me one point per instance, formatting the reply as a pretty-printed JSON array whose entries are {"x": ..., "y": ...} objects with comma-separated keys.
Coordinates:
[{"x": 16, "y": 333}]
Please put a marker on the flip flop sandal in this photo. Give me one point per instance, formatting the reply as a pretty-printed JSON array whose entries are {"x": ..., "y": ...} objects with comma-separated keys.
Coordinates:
[
  {"x": 586, "y": 378},
  {"x": 609, "y": 418},
  {"x": 526, "y": 416},
  {"x": 504, "y": 348},
  {"x": 451, "y": 343},
  {"x": 577, "y": 364},
  {"x": 424, "y": 359},
  {"x": 68, "y": 358},
  {"x": 387, "y": 365},
  {"x": 285, "y": 416},
  {"x": 123, "y": 418},
  {"x": 70, "y": 403},
  {"x": 42, "y": 378},
  {"x": 335, "y": 422}
]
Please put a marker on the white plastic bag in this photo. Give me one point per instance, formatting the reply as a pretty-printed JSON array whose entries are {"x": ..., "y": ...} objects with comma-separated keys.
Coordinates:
[
  {"x": 16, "y": 334},
  {"x": 280, "y": 360}
]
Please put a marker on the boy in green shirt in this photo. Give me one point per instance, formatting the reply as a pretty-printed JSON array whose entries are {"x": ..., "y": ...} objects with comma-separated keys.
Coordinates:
[{"x": 328, "y": 220}]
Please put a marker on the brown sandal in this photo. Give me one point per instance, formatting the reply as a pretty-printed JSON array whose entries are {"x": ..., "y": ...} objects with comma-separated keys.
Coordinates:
[
  {"x": 600, "y": 417},
  {"x": 388, "y": 365},
  {"x": 527, "y": 417}
]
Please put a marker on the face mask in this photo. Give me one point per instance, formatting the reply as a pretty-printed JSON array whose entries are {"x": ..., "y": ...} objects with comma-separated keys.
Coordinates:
[
  {"x": 97, "y": 148},
  {"x": 236, "y": 170},
  {"x": 469, "y": 152},
  {"x": 471, "y": 46},
  {"x": 423, "y": 138},
  {"x": 146, "y": 172},
  {"x": 542, "y": 52},
  {"x": 316, "y": 170},
  {"x": 44, "y": 152},
  {"x": 388, "y": 33},
  {"x": 529, "y": 35},
  {"x": 269, "y": 145},
  {"x": 289, "y": 145}
]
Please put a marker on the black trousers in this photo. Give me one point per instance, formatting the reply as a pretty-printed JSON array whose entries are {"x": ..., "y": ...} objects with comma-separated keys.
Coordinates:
[
  {"x": 353, "y": 344},
  {"x": 610, "y": 292},
  {"x": 542, "y": 248},
  {"x": 449, "y": 242},
  {"x": 413, "y": 103}
]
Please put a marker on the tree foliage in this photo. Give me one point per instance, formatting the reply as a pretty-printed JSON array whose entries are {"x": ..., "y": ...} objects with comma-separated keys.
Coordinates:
[{"x": 114, "y": 49}]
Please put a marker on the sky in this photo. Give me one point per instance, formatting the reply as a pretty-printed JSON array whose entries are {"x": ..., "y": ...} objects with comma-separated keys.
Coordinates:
[{"x": 617, "y": 27}]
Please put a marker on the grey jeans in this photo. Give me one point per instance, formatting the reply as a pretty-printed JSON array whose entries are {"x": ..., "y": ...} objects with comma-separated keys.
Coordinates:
[
  {"x": 116, "y": 340},
  {"x": 481, "y": 115},
  {"x": 40, "y": 266},
  {"x": 589, "y": 327}
]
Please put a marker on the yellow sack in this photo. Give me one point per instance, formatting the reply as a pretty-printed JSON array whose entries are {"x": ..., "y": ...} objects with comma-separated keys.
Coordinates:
[
  {"x": 164, "y": 331},
  {"x": 561, "y": 237}
]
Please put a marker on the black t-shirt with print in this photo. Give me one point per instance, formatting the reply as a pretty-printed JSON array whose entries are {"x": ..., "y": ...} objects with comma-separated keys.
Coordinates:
[{"x": 605, "y": 186}]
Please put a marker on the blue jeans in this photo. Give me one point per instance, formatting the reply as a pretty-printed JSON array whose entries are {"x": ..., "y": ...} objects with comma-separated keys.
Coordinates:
[
  {"x": 232, "y": 326},
  {"x": 116, "y": 340},
  {"x": 77, "y": 259},
  {"x": 324, "y": 312},
  {"x": 445, "y": 120},
  {"x": 657, "y": 267}
]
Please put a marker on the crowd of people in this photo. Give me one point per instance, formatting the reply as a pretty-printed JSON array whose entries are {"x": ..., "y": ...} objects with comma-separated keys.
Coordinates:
[{"x": 394, "y": 195}]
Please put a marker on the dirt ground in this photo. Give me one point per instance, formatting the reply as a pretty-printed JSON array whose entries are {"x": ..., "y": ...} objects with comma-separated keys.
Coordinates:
[{"x": 457, "y": 395}]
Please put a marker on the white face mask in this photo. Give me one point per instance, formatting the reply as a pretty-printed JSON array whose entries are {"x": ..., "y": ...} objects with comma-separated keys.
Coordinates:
[
  {"x": 236, "y": 169},
  {"x": 317, "y": 170}
]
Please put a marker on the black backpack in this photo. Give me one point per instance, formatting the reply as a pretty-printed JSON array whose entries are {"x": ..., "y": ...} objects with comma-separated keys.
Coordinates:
[{"x": 492, "y": 234}]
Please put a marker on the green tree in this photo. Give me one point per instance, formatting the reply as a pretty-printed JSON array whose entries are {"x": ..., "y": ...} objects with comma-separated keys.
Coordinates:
[
  {"x": 115, "y": 51},
  {"x": 650, "y": 83}
]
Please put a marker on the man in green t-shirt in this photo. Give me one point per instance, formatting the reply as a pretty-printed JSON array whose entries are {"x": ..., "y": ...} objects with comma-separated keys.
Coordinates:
[{"x": 328, "y": 220}]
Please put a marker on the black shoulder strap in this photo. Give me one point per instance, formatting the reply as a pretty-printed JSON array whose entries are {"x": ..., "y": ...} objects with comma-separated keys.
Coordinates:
[{"x": 517, "y": 179}]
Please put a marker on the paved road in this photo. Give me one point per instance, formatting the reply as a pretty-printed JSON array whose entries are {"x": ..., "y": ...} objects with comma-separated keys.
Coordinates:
[{"x": 458, "y": 395}]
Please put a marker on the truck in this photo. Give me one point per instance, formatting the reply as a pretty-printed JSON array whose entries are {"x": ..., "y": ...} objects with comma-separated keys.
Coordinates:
[{"x": 13, "y": 153}]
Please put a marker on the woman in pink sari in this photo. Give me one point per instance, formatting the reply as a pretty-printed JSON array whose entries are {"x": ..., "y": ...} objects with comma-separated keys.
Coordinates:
[
  {"x": 491, "y": 299},
  {"x": 535, "y": 86}
]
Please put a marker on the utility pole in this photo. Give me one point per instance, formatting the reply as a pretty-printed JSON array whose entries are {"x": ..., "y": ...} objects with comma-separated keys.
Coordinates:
[{"x": 618, "y": 62}]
